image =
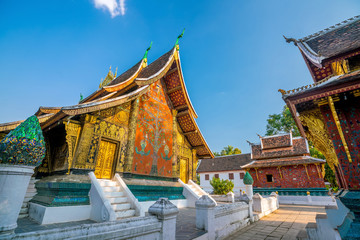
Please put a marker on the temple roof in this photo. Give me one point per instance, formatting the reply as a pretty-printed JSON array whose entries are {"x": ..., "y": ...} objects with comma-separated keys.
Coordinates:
[
  {"x": 12, "y": 125},
  {"x": 327, "y": 83},
  {"x": 283, "y": 162},
  {"x": 135, "y": 82},
  {"x": 330, "y": 42},
  {"x": 224, "y": 163}
]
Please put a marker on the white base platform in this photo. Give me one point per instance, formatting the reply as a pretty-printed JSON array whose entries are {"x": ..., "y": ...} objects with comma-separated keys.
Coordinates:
[{"x": 48, "y": 215}]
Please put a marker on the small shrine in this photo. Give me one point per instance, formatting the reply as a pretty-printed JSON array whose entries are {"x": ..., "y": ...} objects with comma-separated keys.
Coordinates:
[{"x": 283, "y": 163}]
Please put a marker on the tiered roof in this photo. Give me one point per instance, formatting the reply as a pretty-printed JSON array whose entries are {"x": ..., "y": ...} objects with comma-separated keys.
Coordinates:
[
  {"x": 128, "y": 86},
  {"x": 224, "y": 163},
  {"x": 280, "y": 150}
]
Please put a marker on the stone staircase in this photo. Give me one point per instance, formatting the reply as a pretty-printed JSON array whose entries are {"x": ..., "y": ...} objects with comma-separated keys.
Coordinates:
[
  {"x": 196, "y": 190},
  {"x": 30, "y": 193},
  {"x": 117, "y": 198}
]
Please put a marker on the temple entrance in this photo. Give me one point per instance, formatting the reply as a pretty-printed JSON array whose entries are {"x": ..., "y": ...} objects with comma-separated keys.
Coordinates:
[
  {"x": 184, "y": 169},
  {"x": 105, "y": 159}
]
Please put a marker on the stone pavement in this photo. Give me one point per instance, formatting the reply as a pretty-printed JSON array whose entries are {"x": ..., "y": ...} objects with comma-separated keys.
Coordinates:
[
  {"x": 285, "y": 223},
  {"x": 186, "y": 226}
]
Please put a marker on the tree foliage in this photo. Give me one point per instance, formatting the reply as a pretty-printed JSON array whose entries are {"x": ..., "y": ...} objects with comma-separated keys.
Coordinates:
[
  {"x": 229, "y": 150},
  {"x": 221, "y": 186},
  {"x": 284, "y": 123}
]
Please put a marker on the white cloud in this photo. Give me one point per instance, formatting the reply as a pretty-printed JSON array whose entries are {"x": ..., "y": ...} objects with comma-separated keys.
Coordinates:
[{"x": 115, "y": 7}]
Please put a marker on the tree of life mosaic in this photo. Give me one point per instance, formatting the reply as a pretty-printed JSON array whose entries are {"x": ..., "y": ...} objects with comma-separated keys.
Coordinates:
[{"x": 153, "y": 141}]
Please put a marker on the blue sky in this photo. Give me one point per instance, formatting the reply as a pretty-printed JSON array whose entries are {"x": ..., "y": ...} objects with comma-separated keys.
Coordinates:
[{"x": 233, "y": 55}]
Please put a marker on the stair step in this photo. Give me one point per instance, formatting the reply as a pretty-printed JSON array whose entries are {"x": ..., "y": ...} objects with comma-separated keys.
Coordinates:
[
  {"x": 22, "y": 215},
  {"x": 114, "y": 194},
  {"x": 30, "y": 195},
  {"x": 24, "y": 205},
  {"x": 118, "y": 200},
  {"x": 126, "y": 213},
  {"x": 302, "y": 235},
  {"x": 108, "y": 183},
  {"x": 121, "y": 207},
  {"x": 112, "y": 189},
  {"x": 24, "y": 210},
  {"x": 27, "y": 199}
]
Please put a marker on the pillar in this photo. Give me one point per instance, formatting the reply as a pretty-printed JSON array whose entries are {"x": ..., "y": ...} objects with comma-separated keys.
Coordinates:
[
  {"x": 205, "y": 215},
  {"x": 131, "y": 138},
  {"x": 166, "y": 212}
]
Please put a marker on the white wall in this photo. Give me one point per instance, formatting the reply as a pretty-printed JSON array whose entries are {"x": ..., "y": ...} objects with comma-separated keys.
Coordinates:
[{"x": 238, "y": 183}]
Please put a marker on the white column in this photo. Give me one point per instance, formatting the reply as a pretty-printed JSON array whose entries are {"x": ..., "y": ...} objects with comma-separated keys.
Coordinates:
[
  {"x": 205, "y": 217},
  {"x": 14, "y": 181}
]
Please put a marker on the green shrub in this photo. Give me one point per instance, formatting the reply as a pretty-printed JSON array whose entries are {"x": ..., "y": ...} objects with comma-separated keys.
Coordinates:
[{"x": 221, "y": 186}]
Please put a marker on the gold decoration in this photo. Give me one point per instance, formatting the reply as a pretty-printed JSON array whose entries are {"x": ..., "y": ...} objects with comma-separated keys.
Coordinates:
[
  {"x": 131, "y": 136},
  {"x": 340, "y": 67},
  {"x": 109, "y": 77},
  {"x": 194, "y": 165},
  {"x": 317, "y": 169},
  {"x": 175, "y": 173},
  {"x": 105, "y": 159},
  {"x": 257, "y": 176},
  {"x": 308, "y": 193},
  {"x": 307, "y": 173},
  {"x": 72, "y": 135},
  {"x": 316, "y": 132},
  {"x": 279, "y": 168},
  {"x": 337, "y": 122}
]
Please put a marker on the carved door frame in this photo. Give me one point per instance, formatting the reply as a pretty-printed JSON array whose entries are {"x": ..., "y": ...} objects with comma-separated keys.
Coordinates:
[
  {"x": 187, "y": 170},
  {"x": 116, "y": 155}
]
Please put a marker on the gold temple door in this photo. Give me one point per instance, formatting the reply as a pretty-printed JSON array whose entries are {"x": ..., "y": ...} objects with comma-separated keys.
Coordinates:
[
  {"x": 184, "y": 169},
  {"x": 105, "y": 159}
]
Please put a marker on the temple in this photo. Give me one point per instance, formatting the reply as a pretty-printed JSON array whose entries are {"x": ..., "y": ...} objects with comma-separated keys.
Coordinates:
[
  {"x": 327, "y": 112},
  {"x": 140, "y": 125},
  {"x": 283, "y": 163}
]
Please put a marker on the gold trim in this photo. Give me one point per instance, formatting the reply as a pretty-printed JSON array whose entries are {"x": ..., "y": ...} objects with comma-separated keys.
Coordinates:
[
  {"x": 307, "y": 173},
  {"x": 279, "y": 168},
  {"x": 337, "y": 122},
  {"x": 257, "y": 176}
]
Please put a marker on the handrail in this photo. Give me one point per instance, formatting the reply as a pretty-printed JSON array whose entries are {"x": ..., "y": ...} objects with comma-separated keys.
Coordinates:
[
  {"x": 198, "y": 187},
  {"x": 133, "y": 200},
  {"x": 105, "y": 201}
]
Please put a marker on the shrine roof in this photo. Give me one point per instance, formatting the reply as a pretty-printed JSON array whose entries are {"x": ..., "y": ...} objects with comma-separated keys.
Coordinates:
[
  {"x": 279, "y": 146},
  {"x": 224, "y": 163},
  {"x": 340, "y": 38},
  {"x": 283, "y": 162},
  {"x": 323, "y": 84}
]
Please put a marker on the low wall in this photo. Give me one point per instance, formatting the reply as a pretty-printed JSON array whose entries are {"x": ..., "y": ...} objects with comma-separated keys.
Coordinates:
[
  {"x": 230, "y": 218},
  {"x": 221, "y": 220},
  {"x": 265, "y": 205},
  {"x": 308, "y": 200},
  {"x": 292, "y": 191}
]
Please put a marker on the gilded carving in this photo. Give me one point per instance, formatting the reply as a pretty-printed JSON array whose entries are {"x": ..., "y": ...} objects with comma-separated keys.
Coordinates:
[
  {"x": 316, "y": 132},
  {"x": 72, "y": 134},
  {"x": 337, "y": 122},
  {"x": 131, "y": 137}
]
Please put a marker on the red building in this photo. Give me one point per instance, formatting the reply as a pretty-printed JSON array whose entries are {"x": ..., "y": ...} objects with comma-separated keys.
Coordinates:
[{"x": 284, "y": 162}]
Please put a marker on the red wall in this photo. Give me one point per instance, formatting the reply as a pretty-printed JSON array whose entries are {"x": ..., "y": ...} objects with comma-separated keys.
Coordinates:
[{"x": 292, "y": 177}]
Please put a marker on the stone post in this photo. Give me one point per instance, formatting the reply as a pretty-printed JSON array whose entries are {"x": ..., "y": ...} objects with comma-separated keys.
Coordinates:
[
  {"x": 230, "y": 197},
  {"x": 166, "y": 212},
  {"x": 205, "y": 217},
  {"x": 14, "y": 181},
  {"x": 308, "y": 197},
  {"x": 248, "y": 181},
  {"x": 276, "y": 196},
  {"x": 257, "y": 199}
]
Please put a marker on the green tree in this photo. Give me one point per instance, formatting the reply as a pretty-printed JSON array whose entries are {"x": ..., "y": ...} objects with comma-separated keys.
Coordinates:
[
  {"x": 281, "y": 123},
  {"x": 221, "y": 186},
  {"x": 229, "y": 150},
  {"x": 284, "y": 123}
]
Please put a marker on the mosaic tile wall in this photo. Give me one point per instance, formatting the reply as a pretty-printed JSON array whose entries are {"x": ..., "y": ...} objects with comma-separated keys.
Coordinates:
[{"x": 292, "y": 177}]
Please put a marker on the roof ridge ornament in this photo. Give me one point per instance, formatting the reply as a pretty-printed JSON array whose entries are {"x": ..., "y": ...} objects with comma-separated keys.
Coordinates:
[
  {"x": 108, "y": 78},
  {"x": 177, "y": 40},
  {"x": 146, "y": 53},
  {"x": 289, "y": 40}
]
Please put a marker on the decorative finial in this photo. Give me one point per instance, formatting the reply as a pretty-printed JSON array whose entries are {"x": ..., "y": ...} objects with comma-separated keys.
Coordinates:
[
  {"x": 177, "y": 40},
  {"x": 250, "y": 143},
  {"x": 282, "y": 91},
  {"x": 259, "y": 135},
  {"x": 110, "y": 68},
  {"x": 115, "y": 72},
  {"x": 289, "y": 40},
  {"x": 146, "y": 52},
  {"x": 81, "y": 97}
]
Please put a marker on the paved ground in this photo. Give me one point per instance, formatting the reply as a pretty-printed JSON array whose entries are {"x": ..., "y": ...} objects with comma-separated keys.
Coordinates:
[
  {"x": 185, "y": 225},
  {"x": 285, "y": 223}
]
